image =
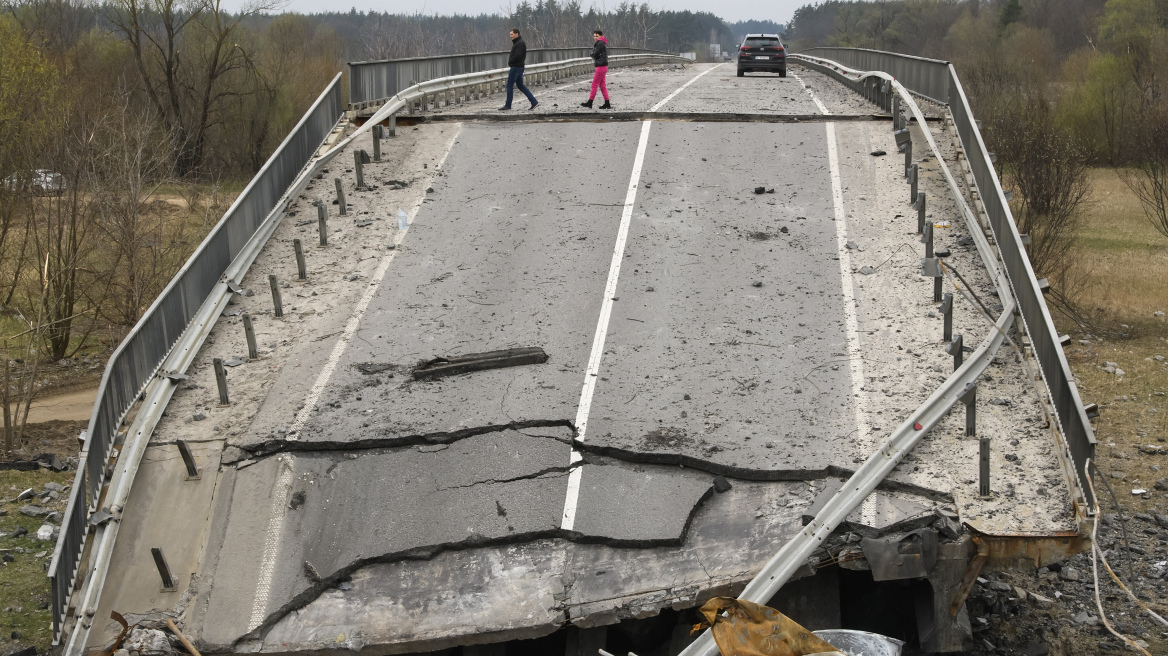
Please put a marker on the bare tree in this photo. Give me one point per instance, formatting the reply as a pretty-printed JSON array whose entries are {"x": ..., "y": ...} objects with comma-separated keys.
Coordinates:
[{"x": 185, "y": 52}]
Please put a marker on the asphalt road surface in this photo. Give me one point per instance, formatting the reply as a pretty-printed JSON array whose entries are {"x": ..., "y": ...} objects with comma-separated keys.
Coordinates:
[{"x": 692, "y": 326}]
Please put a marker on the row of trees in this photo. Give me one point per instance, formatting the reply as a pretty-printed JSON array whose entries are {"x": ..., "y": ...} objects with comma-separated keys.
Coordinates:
[{"x": 1059, "y": 85}]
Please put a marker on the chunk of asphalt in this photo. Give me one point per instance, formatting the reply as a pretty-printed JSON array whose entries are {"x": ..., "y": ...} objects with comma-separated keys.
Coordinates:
[
  {"x": 878, "y": 153},
  {"x": 760, "y": 190},
  {"x": 461, "y": 364},
  {"x": 721, "y": 484}
]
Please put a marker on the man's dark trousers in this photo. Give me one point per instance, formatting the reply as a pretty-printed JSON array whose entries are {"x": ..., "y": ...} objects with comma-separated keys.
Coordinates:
[{"x": 515, "y": 79}]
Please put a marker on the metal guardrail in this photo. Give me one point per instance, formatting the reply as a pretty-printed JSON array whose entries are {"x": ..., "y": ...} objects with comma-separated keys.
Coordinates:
[
  {"x": 938, "y": 81},
  {"x": 137, "y": 359},
  {"x": 377, "y": 81}
]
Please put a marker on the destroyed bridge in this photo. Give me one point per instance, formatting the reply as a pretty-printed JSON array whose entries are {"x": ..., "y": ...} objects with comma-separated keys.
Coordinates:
[{"x": 448, "y": 379}]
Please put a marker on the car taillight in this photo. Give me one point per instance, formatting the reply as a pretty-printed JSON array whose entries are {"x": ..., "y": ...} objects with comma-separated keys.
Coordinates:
[
  {"x": 780, "y": 48},
  {"x": 744, "y": 48}
]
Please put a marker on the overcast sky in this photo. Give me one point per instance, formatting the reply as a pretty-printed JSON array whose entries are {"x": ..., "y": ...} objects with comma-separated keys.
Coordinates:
[{"x": 729, "y": 10}]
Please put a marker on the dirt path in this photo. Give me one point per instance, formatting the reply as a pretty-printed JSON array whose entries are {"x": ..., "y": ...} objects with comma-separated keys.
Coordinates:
[{"x": 71, "y": 406}]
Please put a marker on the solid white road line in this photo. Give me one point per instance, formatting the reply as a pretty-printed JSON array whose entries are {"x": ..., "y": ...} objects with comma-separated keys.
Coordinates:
[
  {"x": 590, "y": 375},
  {"x": 572, "y": 498},
  {"x": 682, "y": 88},
  {"x": 851, "y": 322},
  {"x": 276, "y": 518}
]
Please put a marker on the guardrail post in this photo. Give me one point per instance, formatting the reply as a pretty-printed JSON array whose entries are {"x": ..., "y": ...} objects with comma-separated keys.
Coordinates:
[
  {"x": 277, "y": 303},
  {"x": 393, "y": 125},
  {"x": 376, "y": 142},
  {"x": 357, "y": 163},
  {"x": 920, "y": 205},
  {"x": 163, "y": 569},
  {"x": 322, "y": 223},
  {"x": 340, "y": 197},
  {"x": 249, "y": 333},
  {"x": 301, "y": 268},
  {"x": 913, "y": 173},
  {"x": 895, "y": 111},
  {"x": 907, "y": 156},
  {"x": 188, "y": 459},
  {"x": 221, "y": 380},
  {"x": 956, "y": 348},
  {"x": 927, "y": 239},
  {"x": 983, "y": 482},
  {"x": 969, "y": 398},
  {"x": 947, "y": 313}
]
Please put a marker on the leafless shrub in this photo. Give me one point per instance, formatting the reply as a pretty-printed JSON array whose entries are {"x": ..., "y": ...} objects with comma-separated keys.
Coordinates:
[
  {"x": 1148, "y": 178},
  {"x": 1044, "y": 164}
]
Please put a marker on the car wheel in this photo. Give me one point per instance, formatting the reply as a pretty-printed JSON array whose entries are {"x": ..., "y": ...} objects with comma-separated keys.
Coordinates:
[
  {"x": 741, "y": 72},
  {"x": 782, "y": 72}
]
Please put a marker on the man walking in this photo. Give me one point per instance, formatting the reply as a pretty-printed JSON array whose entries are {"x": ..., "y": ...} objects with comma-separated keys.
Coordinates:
[{"x": 516, "y": 61}]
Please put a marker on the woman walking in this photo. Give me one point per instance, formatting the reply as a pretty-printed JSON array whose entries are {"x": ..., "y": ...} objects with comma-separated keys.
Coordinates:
[{"x": 600, "y": 59}]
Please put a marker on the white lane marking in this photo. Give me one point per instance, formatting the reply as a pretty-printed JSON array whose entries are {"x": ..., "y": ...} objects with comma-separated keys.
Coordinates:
[
  {"x": 820, "y": 105},
  {"x": 682, "y": 88},
  {"x": 271, "y": 542},
  {"x": 863, "y": 430},
  {"x": 276, "y": 518},
  {"x": 851, "y": 321},
  {"x": 618, "y": 253}
]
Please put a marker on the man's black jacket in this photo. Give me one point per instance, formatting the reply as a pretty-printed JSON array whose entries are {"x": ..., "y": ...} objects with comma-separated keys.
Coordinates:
[
  {"x": 600, "y": 53},
  {"x": 518, "y": 53}
]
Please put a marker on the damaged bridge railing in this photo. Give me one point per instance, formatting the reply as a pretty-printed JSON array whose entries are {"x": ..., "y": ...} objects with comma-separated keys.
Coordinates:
[
  {"x": 374, "y": 82},
  {"x": 137, "y": 360},
  {"x": 937, "y": 81}
]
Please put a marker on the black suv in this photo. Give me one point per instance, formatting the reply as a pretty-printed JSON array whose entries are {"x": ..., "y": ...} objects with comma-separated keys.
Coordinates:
[{"x": 762, "y": 52}]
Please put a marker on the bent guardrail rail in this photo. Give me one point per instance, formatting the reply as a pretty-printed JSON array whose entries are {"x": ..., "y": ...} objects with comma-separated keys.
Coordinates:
[
  {"x": 376, "y": 81},
  {"x": 137, "y": 360},
  {"x": 937, "y": 81}
]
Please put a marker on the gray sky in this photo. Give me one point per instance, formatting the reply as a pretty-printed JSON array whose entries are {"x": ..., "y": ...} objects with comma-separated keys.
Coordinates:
[{"x": 729, "y": 10}]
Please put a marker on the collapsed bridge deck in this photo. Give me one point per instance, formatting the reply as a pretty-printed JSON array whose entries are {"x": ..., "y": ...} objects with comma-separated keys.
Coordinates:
[{"x": 345, "y": 504}]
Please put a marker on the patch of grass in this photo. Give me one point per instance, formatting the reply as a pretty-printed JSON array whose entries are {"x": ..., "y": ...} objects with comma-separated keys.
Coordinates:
[
  {"x": 24, "y": 583},
  {"x": 1121, "y": 260}
]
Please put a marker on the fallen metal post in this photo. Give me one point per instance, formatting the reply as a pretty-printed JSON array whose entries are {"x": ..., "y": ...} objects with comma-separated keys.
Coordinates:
[
  {"x": 163, "y": 569},
  {"x": 184, "y": 450},
  {"x": 249, "y": 333},
  {"x": 301, "y": 267},
  {"x": 221, "y": 380},
  {"x": 277, "y": 302},
  {"x": 340, "y": 197}
]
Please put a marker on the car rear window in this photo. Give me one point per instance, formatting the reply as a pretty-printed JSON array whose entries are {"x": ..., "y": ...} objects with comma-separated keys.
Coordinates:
[{"x": 762, "y": 43}]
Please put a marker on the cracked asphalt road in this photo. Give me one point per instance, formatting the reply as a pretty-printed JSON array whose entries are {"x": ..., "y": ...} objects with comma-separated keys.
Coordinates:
[{"x": 440, "y": 502}]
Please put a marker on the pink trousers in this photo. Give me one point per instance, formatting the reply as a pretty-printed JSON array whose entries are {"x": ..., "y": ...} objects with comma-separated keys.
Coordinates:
[{"x": 598, "y": 81}]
